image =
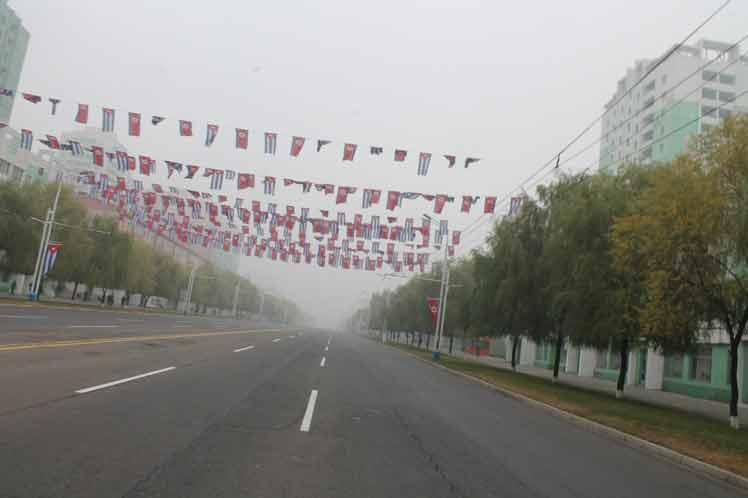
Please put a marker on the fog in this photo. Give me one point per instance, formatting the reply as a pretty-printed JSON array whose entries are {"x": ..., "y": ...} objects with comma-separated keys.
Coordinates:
[{"x": 507, "y": 82}]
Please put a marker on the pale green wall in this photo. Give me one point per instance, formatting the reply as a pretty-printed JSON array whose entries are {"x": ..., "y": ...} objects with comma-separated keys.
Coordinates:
[{"x": 669, "y": 148}]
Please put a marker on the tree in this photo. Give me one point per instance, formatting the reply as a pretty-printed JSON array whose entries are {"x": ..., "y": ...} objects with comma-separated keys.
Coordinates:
[{"x": 691, "y": 230}]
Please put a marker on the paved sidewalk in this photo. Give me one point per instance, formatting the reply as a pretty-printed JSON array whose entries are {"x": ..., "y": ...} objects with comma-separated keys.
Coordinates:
[{"x": 704, "y": 407}]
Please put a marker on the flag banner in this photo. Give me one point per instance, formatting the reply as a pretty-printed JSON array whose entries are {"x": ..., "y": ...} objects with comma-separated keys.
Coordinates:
[
  {"x": 450, "y": 251},
  {"x": 349, "y": 152},
  {"x": 50, "y": 257},
  {"x": 297, "y": 143},
  {"x": 450, "y": 160},
  {"x": 34, "y": 99},
  {"x": 185, "y": 128},
  {"x": 230, "y": 174},
  {"x": 156, "y": 120},
  {"x": 82, "y": 115},
  {"x": 97, "y": 155},
  {"x": 375, "y": 151},
  {"x": 455, "y": 238},
  {"x": 54, "y": 103},
  {"x": 121, "y": 160},
  {"x": 121, "y": 183},
  {"x": 443, "y": 227},
  {"x": 208, "y": 172},
  {"x": 439, "y": 202},
  {"x": 400, "y": 155},
  {"x": 270, "y": 142},
  {"x": 471, "y": 160},
  {"x": 145, "y": 165},
  {"x": 375, "y": 227},
  {"x": 171, "y": 167},
  {"x": 5, "y": 92},
  {"x": 27, "y": 139},
  {"x": 324, "y": 212},
  {"x": 489, "y": 205},
  {"x": 424, "y": 159},
  {"x": 242, "y": 138},
  {"x": 245, "y": 180},
  {"x": 467, "y": 202},
  {"x": 393, "y": 200},
  {"x": 211, "y": 131},
  {"x": 157, "y": 188},
  {"x": 343, "y": 192},
  {"x": 131, "y": 166},
  {"x": 107, "y": 119},
  {"x": 52, "y": 142},
  {"x": 514, "y": 205},
  {"x": 216, "y": 181},
  {"x": 133, "y": 120},
  {"x": 322, "y": 143},
  {"x": 269, "y": 182},
  {"x": 191, "y": 170},
  {"x": 221, "y": 198}
]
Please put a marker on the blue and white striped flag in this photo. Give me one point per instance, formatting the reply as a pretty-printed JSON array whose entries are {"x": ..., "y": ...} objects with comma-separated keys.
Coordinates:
[
  {"x": 341, "y": 219},
  {"x": 424, "y": 159},
  {"x": 210, "y": 134},
  {"x": 121, "y": 160},
  {"x": 216, "y": 180},
  {"x": 107, "y": 119},
  {"x": 27, "y": 139},
  {"x": 375, "y": 226},
  {"x": 230, "y": 174},
  {"x": 75, "y": 148},
  {"x": 409, "y": 233},
  {"x": 269, "y": 182}
]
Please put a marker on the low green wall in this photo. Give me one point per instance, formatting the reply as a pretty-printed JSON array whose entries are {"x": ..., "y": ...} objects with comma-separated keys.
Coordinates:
[
  {"x": 696, "y": 389},
  {"x": 607, "y": 374}
]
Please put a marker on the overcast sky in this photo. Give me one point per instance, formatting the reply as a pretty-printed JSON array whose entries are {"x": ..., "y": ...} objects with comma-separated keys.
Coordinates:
[{"x": 509, "y": 82}]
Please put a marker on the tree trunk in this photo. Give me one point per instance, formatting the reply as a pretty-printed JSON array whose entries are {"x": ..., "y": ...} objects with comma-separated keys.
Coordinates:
[
  {"x": 451, "y": 343},
  {"x": 103, "y": 297},
  {"x": 75, "y": 290},
  {"x": 515, "y": 345},
  {"x": 557, "y": 356},
  {"x": 734, "y": 345},
  {"x": 624, "y": 367}
]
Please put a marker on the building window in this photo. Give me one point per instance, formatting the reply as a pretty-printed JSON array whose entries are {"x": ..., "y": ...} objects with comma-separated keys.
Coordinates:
[
  {"x": 709, "y": 75},
  {"x": 709, "y": 93},
  {"x": 727, "y": 79},
  {"x": 701, "y": 364},
  {"x": 724, "y": 113},
  {"x": 708, "y": 110},
  {"x": 726, "y": 96},
  {"x": 674, "y": 366}
]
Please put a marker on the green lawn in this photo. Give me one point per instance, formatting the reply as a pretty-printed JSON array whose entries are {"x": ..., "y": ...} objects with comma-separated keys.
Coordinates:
[{"x": 707, "y": 439}]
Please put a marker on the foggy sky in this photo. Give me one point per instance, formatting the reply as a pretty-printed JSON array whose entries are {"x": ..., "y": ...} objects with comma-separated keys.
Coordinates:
[{"x": 509, "y": 82}]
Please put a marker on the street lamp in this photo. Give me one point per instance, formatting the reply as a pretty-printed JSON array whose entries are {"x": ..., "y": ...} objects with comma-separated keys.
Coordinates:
[{"x": 443, "y": 293}]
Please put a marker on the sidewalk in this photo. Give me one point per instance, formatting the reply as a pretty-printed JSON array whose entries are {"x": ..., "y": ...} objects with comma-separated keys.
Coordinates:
[{"x": 712, "y": 409}]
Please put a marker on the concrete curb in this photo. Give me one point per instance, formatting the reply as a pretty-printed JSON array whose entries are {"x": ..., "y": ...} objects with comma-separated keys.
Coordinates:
[{"x": 704, "y": 468}]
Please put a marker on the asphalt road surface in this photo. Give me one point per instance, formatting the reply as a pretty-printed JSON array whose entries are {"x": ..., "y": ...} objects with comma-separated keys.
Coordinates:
[{"x": 97, "y": 404}]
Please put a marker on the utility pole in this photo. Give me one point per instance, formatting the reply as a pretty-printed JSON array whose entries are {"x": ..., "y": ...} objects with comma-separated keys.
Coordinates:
[
  {"x": 443, "y": 306},
  {"x": 440, "y": 310},
  {"x": 190, "y": 286},
  {"x": 46, "y": 234},
  {"x": 236, "y": 296}
]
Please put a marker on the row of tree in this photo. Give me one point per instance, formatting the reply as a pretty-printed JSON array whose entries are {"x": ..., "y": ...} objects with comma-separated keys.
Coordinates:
[
  {"x": 647, "y": 256},
  {"x": 95, "y": 252}
]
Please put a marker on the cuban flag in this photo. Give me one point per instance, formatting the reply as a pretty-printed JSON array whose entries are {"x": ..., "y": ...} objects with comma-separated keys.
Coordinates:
[
  {"x": 196, "y": 210},
  {"x": 210, "y": 134},
  {"x": 341, "y": 219},
  {"x": 27, "y": 139},
  {"x": 121, "y": 160},
  {"x": 304, "y": 214},
  {"x": 216, "y": 180},
  {"x": 297, "y": 143},
  {"x": 366, "y": 199},
  {"x": 514, "y": 204},
  {"x": 424, "y": 158},
  {"x": 107, "y": 119},
  {"x": 50, "y": 256},
  {"x": 443, "y": 228},
  {"x": 52, "y": 142},
  {"x": 270, "y": 142},
  {"x": 269, "y": 182},
  {"x": 375, "y": 226},
  {"x": 76, "y": 148}
]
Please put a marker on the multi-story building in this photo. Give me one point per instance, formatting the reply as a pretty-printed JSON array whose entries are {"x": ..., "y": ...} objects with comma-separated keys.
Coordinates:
[
  {"x": 683, "y": 95},
  {"x": 20, "y": 165},
  {"x": 14, "y": 40}
]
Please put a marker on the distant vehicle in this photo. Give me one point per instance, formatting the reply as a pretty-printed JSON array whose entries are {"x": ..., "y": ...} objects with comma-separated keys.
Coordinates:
[{"x": 156, "y": 302}]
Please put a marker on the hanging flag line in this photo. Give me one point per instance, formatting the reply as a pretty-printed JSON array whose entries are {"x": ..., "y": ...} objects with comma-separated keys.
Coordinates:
[
  {"x": 345, "y": 256},
  {"x": 376, "y": 230},
  {"x": 146, "y": 165},
  {"x": 241, "y": 136}
]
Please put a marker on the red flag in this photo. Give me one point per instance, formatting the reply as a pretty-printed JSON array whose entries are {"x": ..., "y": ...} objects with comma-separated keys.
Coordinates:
[
  {"x": 297, "y": 143},
  {"x": 392, "y": 199},
  {"x": 98, "y": 155},
  {"x": 450, "y": 251},
  {"x": 467, "y": 203},
  {"x": 242, "y": 138},
  {"x": 145, "y": 165},
  {"x": 134, "y": 120},
  {"x": 433, "y": 304},
  {"x": 343, "y": 192},
  {"x": 185, "y": 128},
  {"x": 456, "y": 238},
  {"x": 131, "y": 163},
  {"x": 53, "y": 142},
  {"x": 349, "y": 151},
  {"x": 400, "y": 155},
  {"x": 34, "y": 99},
  {"x": 439, "y": 202},
  {"x": 245, "y": 180},
  {"x": 490, "y": 205},
  {"x": 82, "y": 116}
]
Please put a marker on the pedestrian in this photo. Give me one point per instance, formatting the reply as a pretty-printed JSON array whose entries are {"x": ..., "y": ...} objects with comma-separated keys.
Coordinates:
[{"x": 13, "y": 287}]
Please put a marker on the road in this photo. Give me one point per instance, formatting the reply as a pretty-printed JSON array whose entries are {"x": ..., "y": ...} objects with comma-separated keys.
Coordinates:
[{"x": 193, "y": 407}]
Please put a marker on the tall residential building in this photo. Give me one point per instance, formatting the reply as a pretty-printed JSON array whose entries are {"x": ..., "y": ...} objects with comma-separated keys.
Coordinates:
[
  {"x": 14, "y": 40},
  {"x": 655, "y": 120}
]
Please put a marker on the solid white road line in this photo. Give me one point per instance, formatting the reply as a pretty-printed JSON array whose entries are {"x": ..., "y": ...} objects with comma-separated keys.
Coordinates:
[
  {"x": 25, "y": 317},
  {"x": 307, "y": 420},
  {"x": 129, "y": 320},
  {"x": 327, "y": 348},
  {"x": 92, "y": 326},
  {"x": 122, "y": 381},
  {"x": 322, "y": 363},
  {"x": 276, "y": 340},
  {"x": 181, "y": 326},
  {"x": 292, "y": 337},
  {"x": 243, "y": 349},
  {"x": 328, "y": 340}
]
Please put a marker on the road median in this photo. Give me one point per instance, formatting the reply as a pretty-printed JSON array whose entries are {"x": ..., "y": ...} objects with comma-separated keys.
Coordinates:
[{"x": 692, "y": 440}]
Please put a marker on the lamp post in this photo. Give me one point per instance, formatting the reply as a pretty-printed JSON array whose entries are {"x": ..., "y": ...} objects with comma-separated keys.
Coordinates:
[{"x": 443, "y": 292}]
